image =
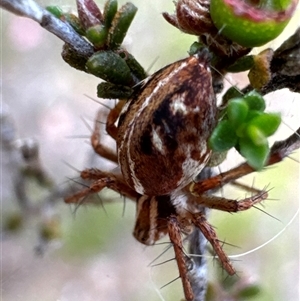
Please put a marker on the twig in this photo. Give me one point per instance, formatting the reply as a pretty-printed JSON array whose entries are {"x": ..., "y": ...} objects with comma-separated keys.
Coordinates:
[
  {"x": 285, "y": 67},
  {"x": 30, "y": 9},
  {"x": 198, "y": 275}
]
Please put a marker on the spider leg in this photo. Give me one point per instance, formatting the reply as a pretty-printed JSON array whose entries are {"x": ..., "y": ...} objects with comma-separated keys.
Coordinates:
[
  {"x": 102, "y": 180},
  {"x": 229, "y": 205},
  {"x": 224, "y": 204},
  {"x": 208, "y": 231},
  {"x": 221, "y": 179},
  {"x": 100, "y": 149},
  {"x": 112, "y": 117},
  {"x": 279, "y": 151},
  {"x": 152, "y": 215},
  {"x": 111, "y": 129},
  {"x": 174, "y": 229}
]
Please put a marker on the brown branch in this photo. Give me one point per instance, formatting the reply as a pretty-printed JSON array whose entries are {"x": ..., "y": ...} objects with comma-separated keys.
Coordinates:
[{"x": 285, "y": 67}]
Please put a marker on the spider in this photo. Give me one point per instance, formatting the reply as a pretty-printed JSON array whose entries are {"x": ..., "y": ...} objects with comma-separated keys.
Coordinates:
[{"x": 161, "y": 139}]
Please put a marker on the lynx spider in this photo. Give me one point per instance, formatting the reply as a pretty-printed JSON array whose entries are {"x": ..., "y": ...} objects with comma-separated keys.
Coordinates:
[{"x": 173, "y": 213}]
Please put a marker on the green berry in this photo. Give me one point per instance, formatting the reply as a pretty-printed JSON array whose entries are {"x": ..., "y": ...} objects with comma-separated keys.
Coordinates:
[{"x": 250, "y": 25}]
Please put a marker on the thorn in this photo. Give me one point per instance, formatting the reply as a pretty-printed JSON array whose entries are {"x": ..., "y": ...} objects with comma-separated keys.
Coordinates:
[
  {"x": 163, "y": 262},
  {"x": 161, "y": 243},
  {"x": 161, "y": 254},
  {"x": 71, "y": 166},
  {"x": 152, "y": 64},
  {"x": 97, "y": 101},
  {"x": 293, "y": 159},
  {"x": 267, "y": 213},
  {"x": 102, "y": 204},
  {"x": 77, "y": 182},
  {"x": 86, "y": 124},
  {"x": 228, "y": 244},
  {"x": 170, "y": 282}
]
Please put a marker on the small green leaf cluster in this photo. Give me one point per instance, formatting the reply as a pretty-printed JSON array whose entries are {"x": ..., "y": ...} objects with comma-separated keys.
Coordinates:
[
  {"x": 106, "y": 31},
  {"x": 246, "y": 127},
  {"x": 111, "y": 32}
]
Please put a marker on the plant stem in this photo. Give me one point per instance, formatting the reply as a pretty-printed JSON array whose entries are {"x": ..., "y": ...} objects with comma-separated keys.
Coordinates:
[{"x": 31, "y": 10}]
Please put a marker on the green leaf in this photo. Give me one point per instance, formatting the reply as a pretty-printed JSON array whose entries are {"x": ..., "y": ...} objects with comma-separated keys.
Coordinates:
[
  {"x": 136, "y": 69},
  {"x": 55, "y": 10},
  {"x": 75, "y": 23},
  {"x": 241, "y": 130},
  {"x": 109, "y": 90},
  {"x": 110, "y": 10},
  {"x": 256, "y": 155},
  {"x": 110, "y": 67},
  {"x": 237, "y": 111},
  {"x": 97, "y": 35},
  {"x": 267, "y": 123},
  {"x": 255, "y": 101},
  {"x": 253, "y": 114},
  {"x": 232, "y": 92},
  {"x": 72, "y": 57},
  {"x": 256, "y": 135},
  {"x": 223, "y": 137},
  {"x": 243, "y": 64},
  {"x": 216, "y": 158},
  {"x": 195, "y": 47},
  {"x": 120, "y": 25}
]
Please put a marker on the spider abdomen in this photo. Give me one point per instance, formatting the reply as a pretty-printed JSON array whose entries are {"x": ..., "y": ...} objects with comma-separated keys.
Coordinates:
[{"x": 164, "y": 128}]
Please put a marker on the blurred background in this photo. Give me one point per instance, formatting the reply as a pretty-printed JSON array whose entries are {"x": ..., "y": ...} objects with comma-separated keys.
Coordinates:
[{"x": 95, "y": 256}]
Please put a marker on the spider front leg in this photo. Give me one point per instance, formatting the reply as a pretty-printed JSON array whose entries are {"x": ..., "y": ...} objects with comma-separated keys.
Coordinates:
[
  {"x": 102, "y": 180},
  {"x": 111, "y": 129},
  {"x": 112, "y": 117}
]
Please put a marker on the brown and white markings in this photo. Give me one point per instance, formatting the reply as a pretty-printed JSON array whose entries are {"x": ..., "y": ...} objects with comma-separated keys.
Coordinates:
[
  {"x": 163, "y": 129},
  {"x": 161, "y": 147}
]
